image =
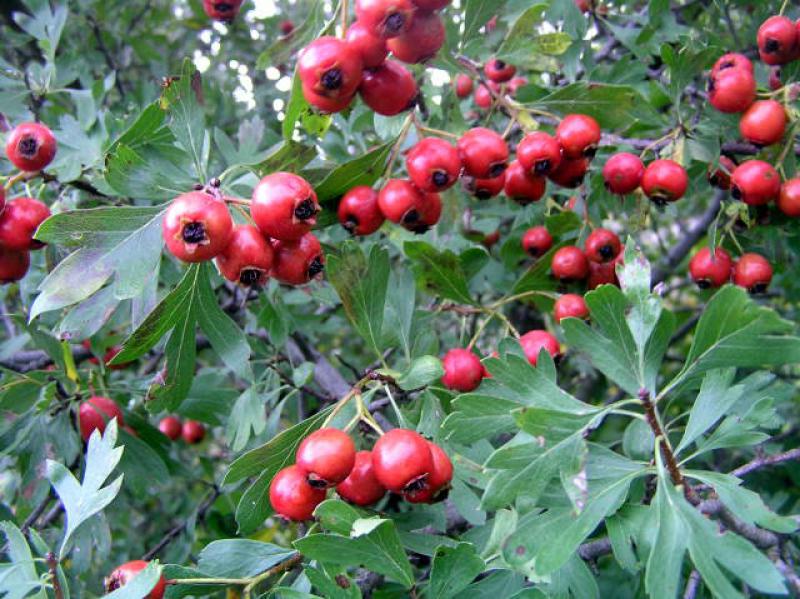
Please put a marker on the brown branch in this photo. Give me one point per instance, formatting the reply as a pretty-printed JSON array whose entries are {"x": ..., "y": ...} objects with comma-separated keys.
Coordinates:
[
  {"x": 52, "y": 566},
  {"x": 692, "y": 585},
  {"x": 761, "y": 462}
]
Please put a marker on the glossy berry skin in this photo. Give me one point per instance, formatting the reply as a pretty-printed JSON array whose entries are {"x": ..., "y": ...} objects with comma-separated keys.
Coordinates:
[
  {"x": 397, "y": 198},
  {"x": 753, "y": 272},
  {"x": 387, "y": 18},
  {"x": 402, "y": 460},
  {"x": 710, "y": 270},
  {"x": 193, "y": 432},
  {"x": 123, "y": 574},
  {"x": 31, "y": 146},
  {"x": 326, "y": 456},
  {"x": 361, "y": 487},
  {"x": 732, "y": 90},
  {"x": 721, "y": 177},
  {"x": 755, "y": 183},
  {"x": 330, "y": 68},
  {"x": 578, "y": 135},
  {"x": 428, "y": 214},
  {"x": 292, "y": 497},
  {"x": 499, "y": 71},
  {"x": 222, "y": 10},
  {"x": 438, "y": 481},
  {"x": 463, "y": 370},
  {"x": 324, "y": 104},
  {"x": 483, "y": 97},
  {"x": 789, "y": 198},
  {"x": 622, "y": 173},
  {"x": 171, "y": 427},
  {"x": 359, "y": 212},
  {"x": 389, "y": 89},
  {"x": 18, "y": 223},
  {"x": 298, "y": 262},
  {"x": 602, "y": 273},
  {"x": 537, "y": 241},
  {"x": 14, "y": 264},
  {"x": 664, "y": 181},
  {"x": 483, "y": 152},
  {"x": 430, "y": 5},
  {"x": 95, "y": 413},
  {"x": 284, "y": 206},
  {"x": 602, "y": 245},
  {"x": 248, "y": 257},
  {"x": 421, "y": 41},
  {"x": 764, "y": 123},
  {"x": 433, "y": 164},
  {"x": 570, "y": 173},
  {"x": 539, "y": 153},
  {"x": 534, "y": 341},
  {"x": 522, "y": 185},
  {"x": 777, "y": 40},
  {"x": 196, "y": 227},
  {"x": 570, "y": 264},
  {"x": 731, "y": 60},
  {"x": 570, "y": 305},
  {"x": 463, "y": 86},
  {"x": 370, "y": 48},
  {"x": 485, "y": 189},
  {"x": 514, "y": 85}
]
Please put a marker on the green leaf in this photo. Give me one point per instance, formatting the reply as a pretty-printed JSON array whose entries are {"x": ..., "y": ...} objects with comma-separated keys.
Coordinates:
[
  {"x": 523, "y": 47},
  {"x": 438, "y": 272},
  {"x": 240, "y": 558},
  {"x": 182, "y": 100},
  {"x": 476, "y": 14},
  {"x": 141, "y": 464},
  {"x": 19, "y": 579},
  {"x": 283, "y": 48},
  {"x": 453, "y": 569},
  {"x": 715, "y": 399},
  {"x": 421, "y": 372},
  {"x": 248, "y": 414},
  {"x": 289, "y": 156},
  {"x": 298, "y": 109}
]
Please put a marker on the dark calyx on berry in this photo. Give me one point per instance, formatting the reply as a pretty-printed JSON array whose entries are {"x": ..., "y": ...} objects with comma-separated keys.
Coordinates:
[
  {"x": 316, "y": 482},
  {"x": 113, "y": 582},
  {"x": 758, "y": 288},
  {"x": 772, "y": 46},
  {"x": 194, "y": 233},
  {"x": 411, "y": 217},
  {"x": 499, "y": 65},
  {"x": 736, "y": 193},
  {"x": 542, "y": 166},
  {"x": 305, "y": 209},
  {"x": 250, "y": 277},
  {"x": 440, "y": 179},
  {"x": 704, "y": 284},
  {"x": 332, "y": 79},
  {"x": 497, "y": 169},
  {"x": 28, "y": 147},
  {"x": 590, "y": 151},
  {"x": 351, "y": 224},
  {"x": 315, "y": 267},
  {"x": 607, "y": 252},
  {"x": 483, "y": 194},
  {"x": 395, "y": 22},
  {"x": 418, "y": 484}
]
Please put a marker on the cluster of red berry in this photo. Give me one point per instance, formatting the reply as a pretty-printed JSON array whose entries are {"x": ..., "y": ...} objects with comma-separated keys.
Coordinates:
[
  {"x": 402, "y": 461},
  {"x": 197, "y": 227},
  {"x": 192, "y": 431},
  {"x": 751, "y": 271},
  {"x": 30, "y": 147},
  {"x": 500, "y": 80},
  {"x": 333, "y": 70}
]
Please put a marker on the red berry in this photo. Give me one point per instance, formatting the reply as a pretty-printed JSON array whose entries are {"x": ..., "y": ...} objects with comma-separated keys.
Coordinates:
[
  {"x": 483, "y": 152},
  {"x": 370, "y": 47},
  {"x": 325, "y": 104},
  {"x": 247, "y": 259},
  {"x": 732, "y": 90},
  {"x": 602, "y": 245},
  {"x": 222, "y": 10},
  {"x": 387, "y": 18},
  {"x": 463, "y": 86},
  {"x": 13, "y": 264},
  {"x": 533, "y": 342},
  {"x": 514, "y": 85},
  {"x": 196, "y": 226},
  {"x": 721, "y": 177},
  {"x": 327, "y": 456},
  {"x": 753, "y": 272},
  {"x": 764, "y": 123},
  {"x": 731, "y": 60},
  {"x": 490, "y": 239},
  {"x": 95, "y": 413},
  {"x": 330, "y": 68},
  {"x": 463, "y": 370},
  {"x": 31, "y": 146},
  {"x": 19, "y": 222},
  {"x": 438, "y": 479},
  {"x": 569, "y": 264},
  {"x": 402, "y": 460},
  {"x": 297, "y": 262},
  {"x": 421, "y": 41},
  {"x": 389, "y": 89},
  {"x": 522, "y": 186},
  {"x": 789, "y": 199},
  {"x": 755, "y": 183},
  {"x": 193, "y": 432},
  {"x": 111, "y": 352},
  {"x": 403, "y": 203},
  {"x": 483, "y": 97},
  {"x": 359, "y": 212},
  {"x": 775, "y": 82},
  {"x": 361, "y": 487},
  {"x": 709, "y": 270},
  {"x": 570, "y": 305},
  {"x": 602, "y": 273},
  {"x": 286, "y": 27},
  {"x": 171, "y": 427},
  {"x": 499, "y": 71},
  {"x": 578, "y": 135},
  {"x": 664, "y": 181},
  {"x": 484, "y": 189},
  {"x": 123, "y": 574},
  {"x": 570, "y": 173},
  {"x": 537, "y": 241},
  {"x": 284, "y": 206},
  {"x": 623, "y": 173},
  {"x": 430, "y": 4},
  {"x": 778, "y": 40},
  {"x": 539, "y": 153},
  {"x": 292, "y": 497},
  {"x": 433, "y": 164}
]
